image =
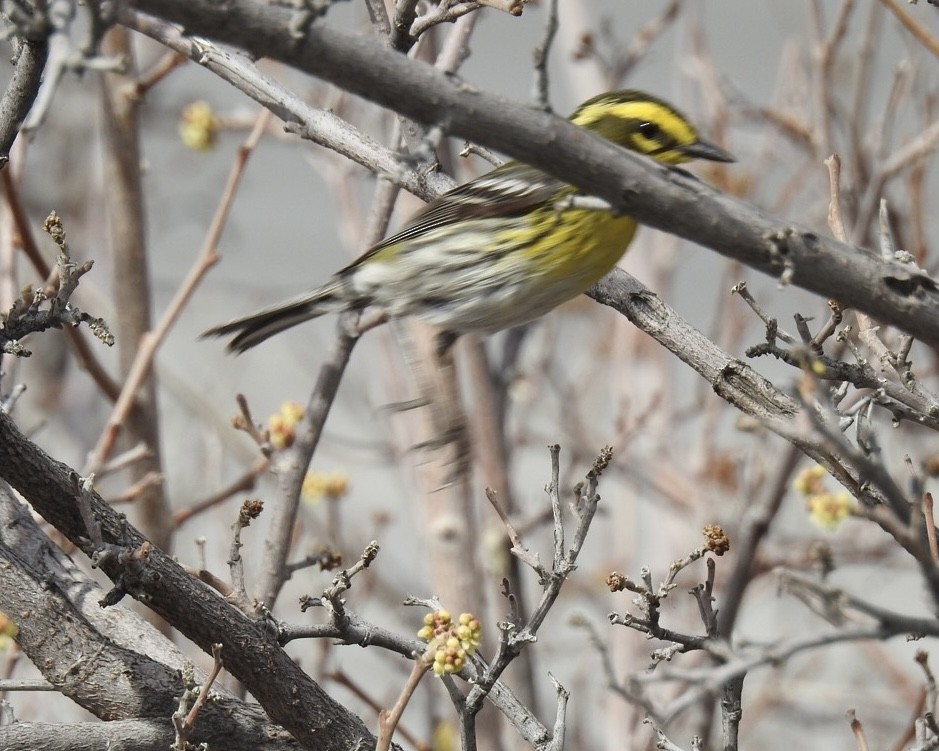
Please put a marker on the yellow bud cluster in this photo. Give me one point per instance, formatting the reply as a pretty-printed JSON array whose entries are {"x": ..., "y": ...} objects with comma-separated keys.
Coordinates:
[
  {"x": 198, "y": 126},
  {"x": 810, "y": 480},
  {"x": 828, "y": 510},
  {"x": 448, "y": 642},
  {"x": 825, "y": 508},
  {"x": 282, "y": 425},
  {"x": 319, "y": 485}
]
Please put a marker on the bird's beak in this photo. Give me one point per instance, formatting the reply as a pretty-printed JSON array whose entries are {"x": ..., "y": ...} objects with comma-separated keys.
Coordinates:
[{"x": 701, "y": 149}]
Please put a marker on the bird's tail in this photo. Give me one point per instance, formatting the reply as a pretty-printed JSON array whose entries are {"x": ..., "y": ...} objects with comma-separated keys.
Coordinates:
[{"x": 255, "y": 328}]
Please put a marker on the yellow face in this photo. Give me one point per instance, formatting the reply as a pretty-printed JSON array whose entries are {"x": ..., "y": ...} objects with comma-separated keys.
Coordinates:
[{"x": 643, "y": 123}]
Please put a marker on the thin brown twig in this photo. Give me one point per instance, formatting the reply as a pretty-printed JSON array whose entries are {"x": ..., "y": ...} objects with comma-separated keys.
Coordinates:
[
  {"x": 827, "y": 46},
  {"x": 244, "y": 421},
  {"x": 929, "y": 701},
  {"x": 518, "y": 548},
  {"x": 150, "y": 343},
  {"x": 160, "y": 70},
  {"x": 220, "y": 585},
  {"x": 388, "y": 719},
  {"x": 126, "y": 459},
  {"x": 456, "y": 48},
  {"x": 931, "y": 527},
  {"x": 21, "y": 221},
  {"x": 514, "y": 536},
  {"x": 909, "y": 731},
  {"x": 878, "y": 136},
  {"x": 242, "y": 484},
  {"x": 206, "y": 685},
  {"x": 131, "y": 494},
  {"x": 923, "y": 37},
  {"x": 343, "y": 680},
  {"x": 835, "y": 217},
  {"x": 542, "y": 51},
  {"x": 858, "y": 119},
  {"x": 909, "y": 153},
  {"x": 642, "y": 40},
  {"x": 858, "y": 730}
]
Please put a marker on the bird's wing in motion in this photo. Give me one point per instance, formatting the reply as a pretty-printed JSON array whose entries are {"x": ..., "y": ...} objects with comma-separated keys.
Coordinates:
[{"x": 509, "y": 190}]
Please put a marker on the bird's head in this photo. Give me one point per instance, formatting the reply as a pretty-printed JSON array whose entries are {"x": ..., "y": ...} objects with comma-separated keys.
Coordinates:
[{"x": 643, "y": 123}]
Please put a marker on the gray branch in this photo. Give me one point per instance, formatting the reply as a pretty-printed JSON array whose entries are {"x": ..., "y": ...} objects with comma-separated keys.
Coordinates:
[{"x": 21, "y": 93}]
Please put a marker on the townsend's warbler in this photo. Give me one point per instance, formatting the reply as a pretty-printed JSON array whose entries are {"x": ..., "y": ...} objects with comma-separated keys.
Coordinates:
[{"x": 499, "y": 250}]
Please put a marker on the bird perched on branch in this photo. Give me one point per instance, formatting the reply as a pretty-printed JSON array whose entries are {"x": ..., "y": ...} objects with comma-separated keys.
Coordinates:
[{"x": 502, "y": 249}]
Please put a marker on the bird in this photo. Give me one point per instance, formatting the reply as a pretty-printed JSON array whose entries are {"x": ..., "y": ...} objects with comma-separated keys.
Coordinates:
[{"x": 500, "y": 250}]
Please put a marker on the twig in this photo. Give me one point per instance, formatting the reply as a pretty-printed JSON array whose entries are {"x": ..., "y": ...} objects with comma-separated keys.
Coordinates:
[
  {"x": 922, "y": 658},
  {"x": 835, "y": 217},
  {"x": 837, "y": 601},
  {"x": 206, "y": 684},
  {"x": 135, "y": 491},
  {"x": 119, "y": 462},
  {"x": 931, "y": 527},
  {"x": 560, "y": 716},
  {"x": 628, "y": 692},
  {"x": 401, "y": 37},
  {"x": 447, "y": 15},
  {"x": 513, "y": 640},
  {"x": 704, "y": 595},
  {"x": 753, "y": 528},
  {"x": 327, "y": 559},
  {"x": 772, "y": 325},
  {"x": 731, "y": 711},
  {"x": 9, "y": 401},
  {"x": 244, "y": 421},
  {"x": 184, "y": 726},
  {"x": 21, "y": 92},
  {"x": 249, "y": 511},
  {"x": 30, "y": 313},
  {"x": 388, "y": 720},
  {"x": 378, "y": 16},
  {"x": 22, "y": 223},
  {"x": 160, "y": 70},
  {"x": 317, "y": 125},
  {"x": 651, "y": 597},
  {"x": 662, "y": 741},
  {"x": 888, "y": 248},
  {"x": 343, "y": 582},
  {"x": 344, "y": 680},
  {"x": 858, "y": 730},
  {"x": 539, "y": 92},
  {"x": 922, "y": 35},
  {"x": 87, "y": 360},
  {"x": 456, "y": 48},
  {"x": 641, "y": 41},
  {"x": 150, "y": 342},
  {"x": 84, "y": 488},
  {"x": 555, "y": 496},
  {"x": 242, "y": 484},
  {"x": 297, "y": 458},
  {"x": 826, "y": 49},
  {"x": 518, "y": 547}
]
